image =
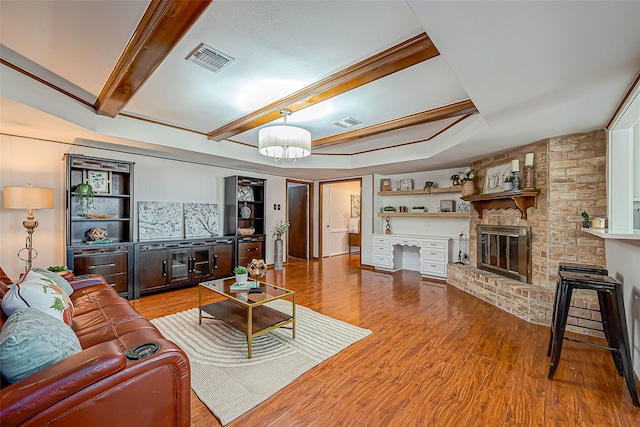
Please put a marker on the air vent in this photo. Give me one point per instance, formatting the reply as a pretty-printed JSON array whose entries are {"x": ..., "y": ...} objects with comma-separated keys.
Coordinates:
[
  {"x": 209, "y": 58},
  {"x": 347, "y": 122}
]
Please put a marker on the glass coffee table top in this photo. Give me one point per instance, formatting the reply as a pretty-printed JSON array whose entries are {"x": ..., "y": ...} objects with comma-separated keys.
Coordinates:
[{"x": 245, "y": 309}]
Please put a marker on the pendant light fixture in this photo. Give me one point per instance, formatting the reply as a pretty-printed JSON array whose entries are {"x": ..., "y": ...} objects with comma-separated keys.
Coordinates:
[{"x": 284, "y": 142}]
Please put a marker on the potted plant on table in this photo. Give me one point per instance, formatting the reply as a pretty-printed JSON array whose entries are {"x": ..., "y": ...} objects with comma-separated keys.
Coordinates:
[
  {"x": 586, "y": 221},
  {"x": 241, "y": 275}
]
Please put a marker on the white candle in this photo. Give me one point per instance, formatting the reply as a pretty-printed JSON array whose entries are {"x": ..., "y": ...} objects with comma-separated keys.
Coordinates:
[
  {"x": 515, "y": 165},
  {"x": 528, "y": 159}
]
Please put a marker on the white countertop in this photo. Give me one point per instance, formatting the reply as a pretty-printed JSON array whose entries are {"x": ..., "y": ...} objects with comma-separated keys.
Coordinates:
[{"x": 605, "y": 233}]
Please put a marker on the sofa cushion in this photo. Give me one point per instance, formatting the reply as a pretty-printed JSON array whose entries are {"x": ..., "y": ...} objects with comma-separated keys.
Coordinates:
[
  {"x": 39, "y": 292},
  {"x": 55, "y": 278},
  {"x": 31, "y": 340}
]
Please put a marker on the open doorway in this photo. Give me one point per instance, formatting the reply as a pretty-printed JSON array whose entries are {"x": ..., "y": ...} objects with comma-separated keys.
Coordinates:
[
  {"x": 299, "y": 214},
  {"x": 340, "y": 220}
]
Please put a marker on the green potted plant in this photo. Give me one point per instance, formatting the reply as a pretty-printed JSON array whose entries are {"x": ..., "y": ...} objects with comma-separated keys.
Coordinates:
[
  {"x": 389, "y": 209},
  {"x": 84, "y": 197},
  {"x": 241, "y": 275},
  {"x": 417, "y": 209},
  {"x": 508, "y": 183},
  {"x": 586, "y": 221}
]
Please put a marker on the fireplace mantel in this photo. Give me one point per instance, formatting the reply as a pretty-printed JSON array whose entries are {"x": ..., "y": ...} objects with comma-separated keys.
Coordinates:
[{"x": 521, "y": 200}]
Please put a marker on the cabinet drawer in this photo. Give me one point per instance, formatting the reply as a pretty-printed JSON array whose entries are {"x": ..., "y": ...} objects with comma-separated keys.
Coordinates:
[
  {"x": 118, "y": 281},
  {"x": 434, "y": 244},
  {"x": 381, "y": 261},
  {"x": 406, "y": 242},
  {"x": 433, "y": 255},
  {"x": 381, "y": 241},
  {"x": 247, "y": 251},
  {"x": 100, "y": 264},
  {"x": 381, "y": 249},
  {"x": 434, "y": 268}
]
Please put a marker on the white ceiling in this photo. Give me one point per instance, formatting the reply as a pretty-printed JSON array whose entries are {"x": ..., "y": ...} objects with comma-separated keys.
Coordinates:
[{"x": 532, "y": 69}]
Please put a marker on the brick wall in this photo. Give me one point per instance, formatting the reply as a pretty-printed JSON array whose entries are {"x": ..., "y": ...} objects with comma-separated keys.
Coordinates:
[{"x": 570, "y": 172}]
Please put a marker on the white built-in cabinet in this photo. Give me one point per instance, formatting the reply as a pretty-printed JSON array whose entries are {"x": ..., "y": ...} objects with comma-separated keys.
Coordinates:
[{"x": 388, "y": 253}]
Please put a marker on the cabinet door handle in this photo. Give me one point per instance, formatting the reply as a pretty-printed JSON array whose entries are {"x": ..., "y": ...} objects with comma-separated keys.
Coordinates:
[
  {"x": 91, "y": 267},
  {"x": 164, "y": 268},
  {"x": 251, "y": 249},
  {"x": 215, "y": 262}
]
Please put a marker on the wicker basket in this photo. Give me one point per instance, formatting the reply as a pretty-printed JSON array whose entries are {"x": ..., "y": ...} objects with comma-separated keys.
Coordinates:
[
  {"x": 468, "y": 188},
  {"x": 246, "y": 231}
]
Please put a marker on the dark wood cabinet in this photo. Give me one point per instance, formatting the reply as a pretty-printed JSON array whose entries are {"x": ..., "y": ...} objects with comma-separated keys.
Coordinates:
[
  {"x": 245, "y": 208},
  {"x": 111, "y": 261},
  {"x": 170, "y": 264},
  {"x": 250, "y": 248},
  {"x": 112, "y": 212}
]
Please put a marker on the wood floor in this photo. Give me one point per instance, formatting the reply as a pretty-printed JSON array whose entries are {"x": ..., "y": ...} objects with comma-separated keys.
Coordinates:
[{"x": 437, "y": 357}]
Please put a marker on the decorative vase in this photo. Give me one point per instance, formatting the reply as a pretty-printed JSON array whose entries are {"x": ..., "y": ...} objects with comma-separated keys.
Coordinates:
[
  {"x": 278, "y": 253},
  {"x": 241, "y": 279},
  {"x": 245, "y": 211},
  {"x": 468, "y": 189}
]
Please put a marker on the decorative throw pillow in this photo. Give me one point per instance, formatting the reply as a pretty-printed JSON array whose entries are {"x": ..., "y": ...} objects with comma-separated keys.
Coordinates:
[
  {"x": 37, "y": 291},
  {"x": 55, "y": 278},
  {"x": 32, "y": 340}
]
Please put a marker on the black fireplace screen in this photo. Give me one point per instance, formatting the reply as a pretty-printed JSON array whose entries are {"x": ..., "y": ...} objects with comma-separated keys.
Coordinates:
[{"x": 505, "y": 250}]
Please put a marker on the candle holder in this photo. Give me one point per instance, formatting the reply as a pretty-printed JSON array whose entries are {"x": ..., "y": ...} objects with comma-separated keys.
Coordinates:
[
  {"x": 528, "y": 178},
  {"x": 516, "y": 182}
]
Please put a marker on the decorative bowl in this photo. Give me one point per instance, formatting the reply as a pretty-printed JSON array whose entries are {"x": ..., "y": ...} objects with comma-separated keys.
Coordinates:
[{"x": 246, "y": 231}]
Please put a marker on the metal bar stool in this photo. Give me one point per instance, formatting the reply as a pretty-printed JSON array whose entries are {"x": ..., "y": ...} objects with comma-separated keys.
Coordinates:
[
  {"x": 613, "y": 320},
  {"x": 576, "y": 268}
]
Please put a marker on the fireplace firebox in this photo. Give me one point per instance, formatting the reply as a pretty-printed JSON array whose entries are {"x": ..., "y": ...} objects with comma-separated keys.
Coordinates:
[{"x": 505, "y": 250}]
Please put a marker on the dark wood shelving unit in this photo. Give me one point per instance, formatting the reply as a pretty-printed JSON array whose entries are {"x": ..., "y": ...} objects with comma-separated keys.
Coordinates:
[
  {"x": 520, "y": 200},
  {"x": 113, "y": 260}
]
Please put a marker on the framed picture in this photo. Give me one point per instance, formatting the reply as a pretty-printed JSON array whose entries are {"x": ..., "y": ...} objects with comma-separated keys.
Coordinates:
[
  {"x": 100, "y": 181},
  {"x": 447, "y": 206},
  {"x": 385, "y": 184},
  {"x": 494, "y": 180},
  {"x": 245, "y": 193},
  {"x": 355, "y": 206},
  {"x": 406, "y": 184}
]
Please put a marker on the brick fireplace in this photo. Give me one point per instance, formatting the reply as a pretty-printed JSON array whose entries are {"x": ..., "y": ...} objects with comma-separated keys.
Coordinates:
[{"x": 571, "y": 176}]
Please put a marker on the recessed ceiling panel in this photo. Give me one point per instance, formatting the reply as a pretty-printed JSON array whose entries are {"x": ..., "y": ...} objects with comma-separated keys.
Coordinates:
[
  {"x": 279, "y": 47},
  {"x": 422, "y": 87},
  {"x": 79, "y": 41}
]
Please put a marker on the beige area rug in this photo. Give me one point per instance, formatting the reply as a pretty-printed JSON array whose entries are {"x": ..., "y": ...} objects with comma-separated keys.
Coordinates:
[{"x": 229, "y": 383}]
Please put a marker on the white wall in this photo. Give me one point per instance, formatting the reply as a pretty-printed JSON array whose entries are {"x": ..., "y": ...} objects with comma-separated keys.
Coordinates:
[
  {"x": 24, "y": 160},
  {"x": 623, "y": 263}
]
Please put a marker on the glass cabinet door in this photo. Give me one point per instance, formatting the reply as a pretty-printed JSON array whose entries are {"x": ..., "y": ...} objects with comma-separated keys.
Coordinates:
[
  {"x": 201, "y": 263},
  {"x": 179, "y": 266}
]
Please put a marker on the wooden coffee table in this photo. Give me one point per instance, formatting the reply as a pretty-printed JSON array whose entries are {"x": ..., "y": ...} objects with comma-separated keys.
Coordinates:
[{"x": 245, "y": 311}]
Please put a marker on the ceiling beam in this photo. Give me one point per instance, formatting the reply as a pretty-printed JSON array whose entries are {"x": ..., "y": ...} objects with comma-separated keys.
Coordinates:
[
  {"x": 410, "y": 52},
  {"x": 452, "y": 110},
  {"x": 163, "y": 25}
]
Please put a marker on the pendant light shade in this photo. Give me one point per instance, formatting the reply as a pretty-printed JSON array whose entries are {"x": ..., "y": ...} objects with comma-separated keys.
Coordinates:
[{"x": 284, "y": 142}]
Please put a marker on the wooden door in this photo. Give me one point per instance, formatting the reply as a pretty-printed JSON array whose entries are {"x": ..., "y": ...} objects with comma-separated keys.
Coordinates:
[{"x": 298, "y": 208}]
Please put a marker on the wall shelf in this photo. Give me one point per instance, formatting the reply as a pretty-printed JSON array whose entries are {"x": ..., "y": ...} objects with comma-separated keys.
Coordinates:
[
  {"x": 420, "y": 192},
  {"x": 424, "y": 214},
  {"x": 521, "y": 200}
]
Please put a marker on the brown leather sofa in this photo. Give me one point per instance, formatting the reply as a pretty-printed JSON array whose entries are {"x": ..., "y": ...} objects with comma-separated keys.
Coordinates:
[{"x": 101, "y": 386}]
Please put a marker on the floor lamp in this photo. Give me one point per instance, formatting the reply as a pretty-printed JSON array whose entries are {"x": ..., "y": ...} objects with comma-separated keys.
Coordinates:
[{"x": 29, "y": 198}]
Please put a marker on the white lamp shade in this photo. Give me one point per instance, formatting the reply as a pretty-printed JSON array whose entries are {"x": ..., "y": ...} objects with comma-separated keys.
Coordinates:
[
  {"x": 284, "y": 142},
  {"x": 28, "y": 198}
]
